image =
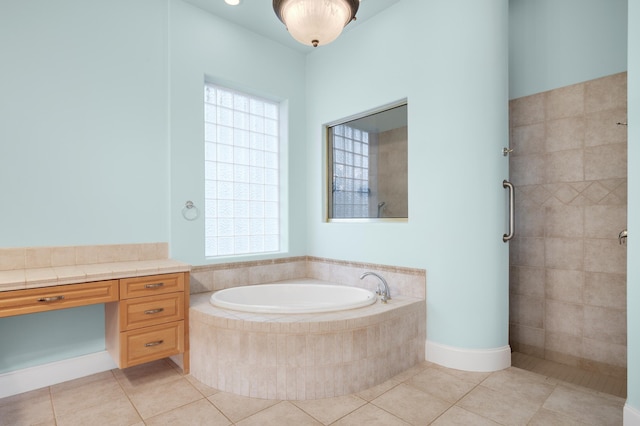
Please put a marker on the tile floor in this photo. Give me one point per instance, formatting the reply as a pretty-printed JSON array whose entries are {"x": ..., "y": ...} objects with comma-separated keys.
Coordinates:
[
  {"x": 158, "y": 394},
  {"x": 612, "y": 385}
]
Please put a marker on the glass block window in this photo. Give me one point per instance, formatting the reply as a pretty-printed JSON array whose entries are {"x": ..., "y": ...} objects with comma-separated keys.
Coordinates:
[
  {"x": 350, "y": 172},
  {"x": 242, "y": 178}
]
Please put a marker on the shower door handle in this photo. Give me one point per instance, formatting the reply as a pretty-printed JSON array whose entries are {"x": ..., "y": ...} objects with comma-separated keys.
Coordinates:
[{"x": 512, "y": 216}]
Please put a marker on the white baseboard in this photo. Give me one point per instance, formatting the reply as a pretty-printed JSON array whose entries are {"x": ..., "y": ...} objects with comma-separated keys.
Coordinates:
[
  {"x": 468, "y": 359},
  {"x": 631, "y": 416},
  {"x": 40, "y": 376}
]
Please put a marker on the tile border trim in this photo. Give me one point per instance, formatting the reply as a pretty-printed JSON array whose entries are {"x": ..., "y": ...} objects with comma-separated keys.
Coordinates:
[{"x": 284, "y": 260}]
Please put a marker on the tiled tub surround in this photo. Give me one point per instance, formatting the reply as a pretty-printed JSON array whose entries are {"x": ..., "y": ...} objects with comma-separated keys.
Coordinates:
[
  {"x": 568, "y": 272},
  {"x": 305, "y": 356},
  {"x": 34, "y": 267},
  {"x": 402, "y": 281}
]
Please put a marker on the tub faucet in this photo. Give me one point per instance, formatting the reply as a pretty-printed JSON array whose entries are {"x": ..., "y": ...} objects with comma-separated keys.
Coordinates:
[{"x": 383, "y": 287}]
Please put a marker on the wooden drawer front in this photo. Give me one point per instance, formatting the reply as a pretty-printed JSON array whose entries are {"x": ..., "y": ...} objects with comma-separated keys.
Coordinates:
[
  {"x": 150, "y": 285},
  {"x": 44, "y": 299},
  {"x": 143, "y": 312},
  {"x": 151, "y": 343}
]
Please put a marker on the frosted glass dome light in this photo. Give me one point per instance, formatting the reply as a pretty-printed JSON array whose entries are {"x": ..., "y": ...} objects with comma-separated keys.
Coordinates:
[{"x": 315, "y": 22}]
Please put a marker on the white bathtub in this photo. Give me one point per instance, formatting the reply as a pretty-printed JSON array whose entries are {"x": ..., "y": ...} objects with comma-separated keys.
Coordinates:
[{"x": 292, "y": 298}]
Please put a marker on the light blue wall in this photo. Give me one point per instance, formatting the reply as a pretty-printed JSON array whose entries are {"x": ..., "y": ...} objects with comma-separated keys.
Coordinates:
[
  {"x": 36, "y": 339},
  {"x": 450, "y": 60},
  {"x": 555, "y": 43},
  {"x": 83, "y": 140},
  {"x": 633, "y": 213},
  {"x": 203, "y": 45},
  {"x": 83, "y": 145}
]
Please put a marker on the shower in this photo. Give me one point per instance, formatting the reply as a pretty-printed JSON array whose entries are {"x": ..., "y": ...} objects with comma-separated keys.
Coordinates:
[{"x": 568, "y": 258}]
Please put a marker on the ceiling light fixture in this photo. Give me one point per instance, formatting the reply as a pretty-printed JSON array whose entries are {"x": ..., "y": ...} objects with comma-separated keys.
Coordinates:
[
  {"x": 232, "y": 2},
  {"x": 315, "y": 22}
]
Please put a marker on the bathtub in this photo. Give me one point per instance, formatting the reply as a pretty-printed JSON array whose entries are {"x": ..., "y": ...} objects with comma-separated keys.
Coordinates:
[
  {"x": 304, "y": 355},
  {"x": 289, "y": 298}
]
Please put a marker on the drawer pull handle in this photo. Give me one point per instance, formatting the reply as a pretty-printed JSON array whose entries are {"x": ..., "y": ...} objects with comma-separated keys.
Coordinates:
[
  {"x": 156, "y": 343},
  {"x": 156, "y": 285},
  {"x": 153, "y": 311},
  {"x": 51, "y": 299}
]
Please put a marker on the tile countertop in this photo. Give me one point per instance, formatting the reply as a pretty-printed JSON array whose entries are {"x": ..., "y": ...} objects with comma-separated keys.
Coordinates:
[{"x": 20, "y": 279}]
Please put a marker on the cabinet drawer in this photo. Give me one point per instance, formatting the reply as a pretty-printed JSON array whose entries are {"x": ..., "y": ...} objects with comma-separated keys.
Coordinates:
[
  {"x": 151, "y": 343},
  {"x": 152, "y": 284},
  {"x": 143, "y": 312},
  {"x": 44, "y": 299}
]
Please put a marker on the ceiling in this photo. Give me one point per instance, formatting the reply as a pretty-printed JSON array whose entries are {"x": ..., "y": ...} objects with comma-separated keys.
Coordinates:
[{"x": 258, "y": 16}]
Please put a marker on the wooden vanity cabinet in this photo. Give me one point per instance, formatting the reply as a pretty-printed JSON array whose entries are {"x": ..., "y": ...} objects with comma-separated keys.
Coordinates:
[
  {"x": 45, "y": 299},
  {"x": 146, "y": 318},
  {"x": 150, "y": 320}
]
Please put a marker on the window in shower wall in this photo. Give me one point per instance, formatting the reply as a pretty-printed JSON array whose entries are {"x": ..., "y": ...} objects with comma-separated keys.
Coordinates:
[
  {"x": 242, "y": 173},
  {"x": 367, "y": 166}
]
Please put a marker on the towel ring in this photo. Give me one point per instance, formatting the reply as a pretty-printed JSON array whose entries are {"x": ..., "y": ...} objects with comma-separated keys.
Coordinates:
[{"x": 190, "y": 211}]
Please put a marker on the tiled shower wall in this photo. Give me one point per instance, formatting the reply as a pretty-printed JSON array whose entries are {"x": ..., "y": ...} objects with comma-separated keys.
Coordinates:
[
  {"x": 392, "y": 173},
  {"x": 567, "y": 269}
]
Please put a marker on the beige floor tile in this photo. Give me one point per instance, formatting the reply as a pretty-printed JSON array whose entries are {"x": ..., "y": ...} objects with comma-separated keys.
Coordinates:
[
  {"x": 68, "y": 398},
  {"x": 201, "y": 412},
  {"x": 328, "y": 410},
  {"x": 586, "y": 406},
  {"x": 26, "y": 397},
  {"x": 407, "y": 374},
  {"x": 469, "y": 376},
  {"x": 72, "y": 384},
  {"x": 502, "y": 407},
  {"x": 237, "y": 407},
  {"x": 205, "y": 390},
  {"x": 162, "y": 395},
  {"x": 156, "y": 372},
  {"x": 370, "y": 415},
  {"x": 441, "y": 384},
  {"x": 27, "y": 409},
  {"x": 411, "y": 404},
  {"x": 567, "y": 373},
  {"x": 153, "y": 399},
  {"x": 456, "y": 416},
  {"x": 117, "y": 412},
  {"x": 550, "y": 418},
  {"x": 374, "y": 392},
  {"x": 530, "y": 386},
  {"x": 282, "y": 414}
]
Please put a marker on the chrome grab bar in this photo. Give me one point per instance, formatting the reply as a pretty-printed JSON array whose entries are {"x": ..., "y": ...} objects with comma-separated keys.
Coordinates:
[{"x": 512, "y": 215}]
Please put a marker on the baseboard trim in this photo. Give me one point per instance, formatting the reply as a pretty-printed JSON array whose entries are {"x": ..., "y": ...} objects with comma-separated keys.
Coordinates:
[
  {"x": 468, "y": 359},
  {"x": 40, "y": 376},
  {"x": 631, "y": 416}
]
